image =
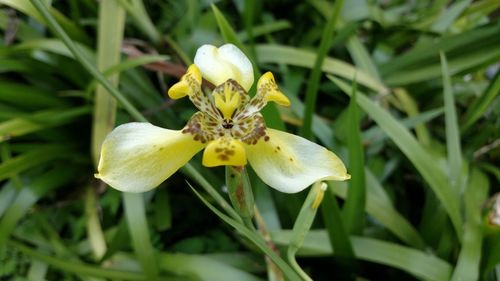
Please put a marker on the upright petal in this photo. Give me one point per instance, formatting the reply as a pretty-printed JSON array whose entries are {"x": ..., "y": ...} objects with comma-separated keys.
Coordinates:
[
  {"x": 217, "y": 65},
  {"x": 290, "y": 163},
  {"x": 136, "y": 157}
]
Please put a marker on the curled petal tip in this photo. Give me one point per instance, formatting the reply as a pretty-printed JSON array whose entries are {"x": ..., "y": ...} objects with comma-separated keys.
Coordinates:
[
  {"x": 268, "y": 87},
  {"x": 189, "y": 81},
  {"x": 178, "y": 90}
]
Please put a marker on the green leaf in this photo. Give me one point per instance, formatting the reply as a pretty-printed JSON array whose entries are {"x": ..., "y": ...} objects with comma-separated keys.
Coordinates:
[
  {"x": 380, "y": 207},
  {"x": 135, "y": 214},
  {"x": 26, "y": 7},
  {"x": 28, "y": 97},
  {"x": 480, "y": 105},
  {"x": 299, "y": 57},
  {"x": 109, "y": 43},
  {"x": 141, "y": 18},
  {"x": 32, "y": 192},
  {"x": 469, "y": 259},
  {"x": 453, "y": 148},
  {"x": 418, "y": 263},
  {"x": 203, "y": 268},
  {"x": 85, "y": 269},
  {"x": 354, "y": 207},
  {"x": 40, "y": 120},
  {"x": 332, "y": 218},
  {"x": 313, "y": 81},
  {"x": 31, "y": 159},
  {"x": 421, "y": 158},
  {"x": 422, "y": 54}
]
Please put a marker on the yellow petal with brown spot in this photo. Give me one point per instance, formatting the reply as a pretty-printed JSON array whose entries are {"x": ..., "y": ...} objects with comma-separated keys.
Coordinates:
[{"x": 224, "y": 151}]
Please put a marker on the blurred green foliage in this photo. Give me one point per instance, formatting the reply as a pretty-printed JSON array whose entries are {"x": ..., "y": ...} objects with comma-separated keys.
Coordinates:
[{"x": 422, "y": 139}]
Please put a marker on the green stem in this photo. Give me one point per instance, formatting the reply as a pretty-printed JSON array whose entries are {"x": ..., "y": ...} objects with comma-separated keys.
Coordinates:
[
  {"x": 303, "y": 224},
  {"x": 240, "y": 193}
]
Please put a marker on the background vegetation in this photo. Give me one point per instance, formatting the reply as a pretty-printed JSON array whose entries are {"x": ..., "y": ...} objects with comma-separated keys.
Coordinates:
[{"x": 406, "y": 92}]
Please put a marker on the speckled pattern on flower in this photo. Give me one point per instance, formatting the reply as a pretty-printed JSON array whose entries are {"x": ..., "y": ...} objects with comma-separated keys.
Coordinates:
[{"x": 136, "y": 157}]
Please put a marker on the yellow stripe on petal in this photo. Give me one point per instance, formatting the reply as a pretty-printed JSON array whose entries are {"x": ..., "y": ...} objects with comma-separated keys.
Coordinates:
[
  {"x": 224, "y": 151},
  {"x": 291, "y": 163},
  {"x": 137, "y": 157}
]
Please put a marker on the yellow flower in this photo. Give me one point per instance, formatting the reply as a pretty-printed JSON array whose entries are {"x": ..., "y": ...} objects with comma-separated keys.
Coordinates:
[{"x": 137, "y": 157}]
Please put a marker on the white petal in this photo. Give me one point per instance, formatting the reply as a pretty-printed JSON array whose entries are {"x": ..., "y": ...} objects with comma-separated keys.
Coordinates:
[
  {"x": 137, "y": 157},
  {"x": 290, "y": 163},
  {"x": 217, "y": 65}
]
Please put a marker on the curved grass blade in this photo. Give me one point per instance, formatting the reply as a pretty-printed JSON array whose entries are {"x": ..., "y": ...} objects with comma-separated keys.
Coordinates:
[
  {"x": 85, "y": 269},
  {"x": 57, "y": 177},
  {"x": 299, "y": 57},
  {"x": 32, "y": 158},
  {"x": 418, "y": 263},
  {"x": 480, "y": 105},
  {"x": 254, "y": 237},
  {"x": 203, "y": 268}
]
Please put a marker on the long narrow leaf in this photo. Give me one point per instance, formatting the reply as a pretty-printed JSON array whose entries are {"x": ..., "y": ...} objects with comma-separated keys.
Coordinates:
[
  {"x": 421, "y": 159},
  {"x": 452, "y": 133},
  {"x": 313, "y": 81},
  {"x": 354, "y": 207}
]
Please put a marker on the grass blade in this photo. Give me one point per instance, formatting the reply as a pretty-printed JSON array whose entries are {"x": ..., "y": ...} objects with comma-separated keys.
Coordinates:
[
  {"x": 354, "y": 208},
  {"x": 135, "y": 214},
  {"x": 332, "y": 218},
  {"x": 85, "y": 269},
  {"x": 481, "y": 104},
  {"x": 421, "y": 158},
  {"x": 313, "y": 81},
  {"x": 418, "y": 263},
  {"x": 453, "y": 148},
  {"x": 299, "y": 57},
  {"x": 31, "y": 193},
  {"x": 469, "y": 259},
  {"x": 109, "y": 42}
]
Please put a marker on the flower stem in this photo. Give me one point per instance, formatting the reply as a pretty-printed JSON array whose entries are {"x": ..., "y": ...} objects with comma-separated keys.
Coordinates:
[
  {"x": 303, "y": 224},
  {"x": 240, "y": 193}
]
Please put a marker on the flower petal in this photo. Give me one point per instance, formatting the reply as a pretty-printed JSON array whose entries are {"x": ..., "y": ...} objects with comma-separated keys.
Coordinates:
[
  {"x": 217, "y": 65},
  {"x": 190, "y": 85},
  {"x": 290, "y": 163},
  {"x": 137, "y": 157},
  {"x": 267, "y": 90},
  {"x": 224, "y": 151}
]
